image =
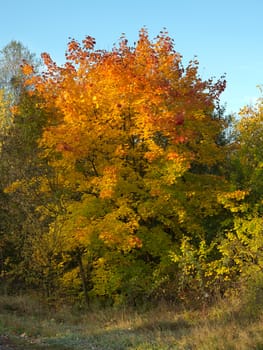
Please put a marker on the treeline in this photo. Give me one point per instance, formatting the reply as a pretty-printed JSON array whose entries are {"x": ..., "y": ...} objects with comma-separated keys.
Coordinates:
[{"x": 122, "y": 181}]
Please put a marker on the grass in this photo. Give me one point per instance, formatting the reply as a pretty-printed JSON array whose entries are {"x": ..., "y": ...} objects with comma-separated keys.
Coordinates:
[{"x": 32, "y": 325}]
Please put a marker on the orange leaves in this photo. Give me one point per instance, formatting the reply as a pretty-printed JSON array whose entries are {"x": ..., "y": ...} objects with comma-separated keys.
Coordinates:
[
  {"x": 89, "y": 42},
  {"x": 27, "y": 69},
  {"x": 63, "y": 146},
  {"x": 80, "y": 54},
  {"x": 73, "y": 45},
  {"x": 125, "y": 244},
  {"x": 108, "y": 182},
  {"x": 154, "y": 151},
  {"x": 172, "y": 155},
  {"x": 164, "y": 42},
  {"x": 73, "y": 51},
  {"x": 112, "y": 104},
  {"x": 47, "y": 60},
  {"x": 126, "y": 95},
  {"x": 179, "y": 118}
]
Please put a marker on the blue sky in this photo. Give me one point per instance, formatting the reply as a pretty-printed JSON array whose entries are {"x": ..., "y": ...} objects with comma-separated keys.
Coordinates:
[{"x": 225, "y": 35}]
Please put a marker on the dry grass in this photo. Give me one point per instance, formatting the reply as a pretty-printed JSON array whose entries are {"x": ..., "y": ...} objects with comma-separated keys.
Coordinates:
[{"x": 228, "y": 325}]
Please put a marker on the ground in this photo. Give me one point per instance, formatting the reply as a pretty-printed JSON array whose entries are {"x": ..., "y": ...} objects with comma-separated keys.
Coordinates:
[{"x": 6, "y": 344}]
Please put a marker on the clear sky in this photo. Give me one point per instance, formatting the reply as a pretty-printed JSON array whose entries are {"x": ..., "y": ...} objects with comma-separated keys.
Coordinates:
[{"x": 225, "y": 35}]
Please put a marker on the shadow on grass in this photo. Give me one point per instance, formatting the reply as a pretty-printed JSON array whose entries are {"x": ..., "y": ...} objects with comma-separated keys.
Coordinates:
[
  {"x": 164, "y": 325},
  {"x": 160, "y": 335}
]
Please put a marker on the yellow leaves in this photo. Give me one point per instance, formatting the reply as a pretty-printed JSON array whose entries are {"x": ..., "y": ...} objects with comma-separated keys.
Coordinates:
[
  {"x": 175, "y": 168},
  {"x": 108, "y": 181},
  {"x": 231, "y": 200},
  {"x": 154, "y": 152},
  {"x": 81, "y": 236},
  {"x": 73, "y": 231},
  {"x": 123, "y": 243},
  {"x": 216, "y": 271},
  {"x": 95, "y": 102},
  {"x": 238, "y": 195},
  {"x": 117, "y": 229},
  {"x": 44, "y": 185},
  {"x": 121, "y": 151},
  {"x": 197, "y": 270},
  {"x": 71, "y": 280},
  {"x": 7, "y": 112},
  {"x": 13, "y": 187},
  {"x": 181, "y": 215},
  {"x": 242, "y": 248},
  {"x": 24, "y": 184}
]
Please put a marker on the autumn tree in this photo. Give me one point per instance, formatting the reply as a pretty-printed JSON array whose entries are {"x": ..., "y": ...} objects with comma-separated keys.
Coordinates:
[
  {"x": 12, "y": 57},
  {"x": 133, "y": 140},
  {"x": 242, "y": 248}
]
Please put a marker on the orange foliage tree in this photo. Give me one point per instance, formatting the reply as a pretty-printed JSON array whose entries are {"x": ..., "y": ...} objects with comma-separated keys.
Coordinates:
[{"x": 133, "y": 139}]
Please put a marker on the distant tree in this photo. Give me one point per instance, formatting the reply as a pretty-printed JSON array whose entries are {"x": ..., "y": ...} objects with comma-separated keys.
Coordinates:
[
  {"x": 20, "y": 127},
  {"x": 12, "y": 56},
  {"x": 20, "y": 164}
]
